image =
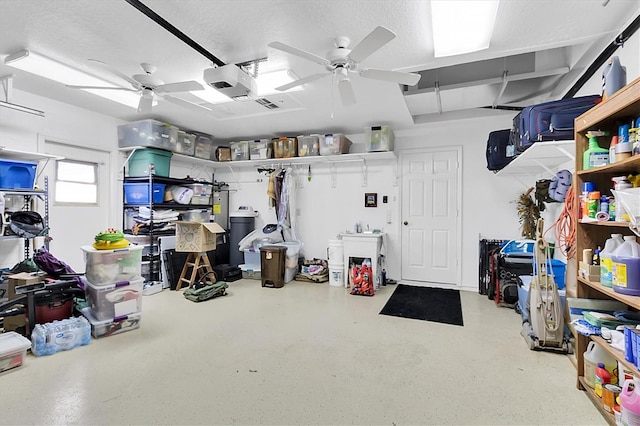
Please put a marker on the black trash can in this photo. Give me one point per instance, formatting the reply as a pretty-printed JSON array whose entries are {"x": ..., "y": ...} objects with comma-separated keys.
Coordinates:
[
  {"x": 272, "y": 260},
  {"x": 242, "y": 222}
]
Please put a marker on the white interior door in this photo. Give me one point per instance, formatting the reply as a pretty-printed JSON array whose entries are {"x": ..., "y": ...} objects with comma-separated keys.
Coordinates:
[
  {"x": 74, "y": 225},
  {"x": 431, "y": 216}
]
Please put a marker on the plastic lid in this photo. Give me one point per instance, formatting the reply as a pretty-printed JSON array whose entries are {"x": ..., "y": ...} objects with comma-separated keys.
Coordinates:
[
  {"x": 13, "y": 342},
  {"x": 588, "y": 186}
]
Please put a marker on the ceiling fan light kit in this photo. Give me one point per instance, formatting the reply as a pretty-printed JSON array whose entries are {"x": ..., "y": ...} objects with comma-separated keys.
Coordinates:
[{"x": 342, "y": 61}]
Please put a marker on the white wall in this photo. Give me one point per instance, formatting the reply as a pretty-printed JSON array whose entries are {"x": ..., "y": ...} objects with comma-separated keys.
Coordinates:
[{"x": 66, "y": 124}]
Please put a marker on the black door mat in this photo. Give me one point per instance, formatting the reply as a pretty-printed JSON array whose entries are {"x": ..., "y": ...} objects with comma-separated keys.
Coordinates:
[{"x": 425, "y": 303}]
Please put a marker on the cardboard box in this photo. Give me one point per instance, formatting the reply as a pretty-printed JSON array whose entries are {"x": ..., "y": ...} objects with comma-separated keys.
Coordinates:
[
  {"x": 196, "y": 237},
  {"x": 590, "y": 272}
]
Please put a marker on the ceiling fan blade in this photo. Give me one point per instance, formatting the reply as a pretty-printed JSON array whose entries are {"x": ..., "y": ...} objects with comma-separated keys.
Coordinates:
[
  {"x": 410, "y": 79},
  {"x": 182, "y": 86},
  {"x": 146, "y": 104},
  {"x": 301, "y": 81},
  {"x": 185, "y": 103},
  {"x": 100, "y": 87},
  {"x": 346, "y": 92},
  {"x": 299, "y": 52},
  {"x": 372, "y": 42},
  {"x": 117, "y": 73}
]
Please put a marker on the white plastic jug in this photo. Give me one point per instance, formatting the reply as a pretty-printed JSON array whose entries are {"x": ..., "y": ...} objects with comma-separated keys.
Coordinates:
[
  {"x": 626, "y": 267},
  {"x": 606, "y": 264},
  {"x": 592, "y": 356},
  {"x": 614, "y": 76}
]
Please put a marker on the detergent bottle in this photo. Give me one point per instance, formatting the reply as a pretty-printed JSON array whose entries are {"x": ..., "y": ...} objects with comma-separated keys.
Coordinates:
[
  {"x": 602, "y": 377},
  {"x": 606, "y": 264},
  {"x": 595, "y": 156},
  {"x": 593, "y": 356},
  {"x": 630, "y": 404},
  {"x": 626, "y": 267},
  {"x": 614, "y": 76}
]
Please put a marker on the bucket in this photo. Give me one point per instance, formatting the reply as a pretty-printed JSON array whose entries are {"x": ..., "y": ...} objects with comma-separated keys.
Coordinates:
[
  {"x": 336, "y": 275},
  {"x": 336, "y": 251},
  {"x": 594, "y": 355}
]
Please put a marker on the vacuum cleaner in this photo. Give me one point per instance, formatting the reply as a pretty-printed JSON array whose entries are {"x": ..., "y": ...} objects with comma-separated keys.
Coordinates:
[{"x": 544, "y": 328}]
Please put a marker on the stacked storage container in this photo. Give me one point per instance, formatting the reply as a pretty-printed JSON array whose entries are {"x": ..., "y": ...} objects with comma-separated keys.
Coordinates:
[
  {"x": 308, "y": 145},
  {"x": 113, "y": 286},
  {"x": 378, "y": 138},
  {"x": 334, "y": 143},
  {"x": 239, "y": 150}
]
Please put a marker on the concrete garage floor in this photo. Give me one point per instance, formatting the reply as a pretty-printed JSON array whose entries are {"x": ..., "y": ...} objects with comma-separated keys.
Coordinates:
[{"x": 303, "y": 354}]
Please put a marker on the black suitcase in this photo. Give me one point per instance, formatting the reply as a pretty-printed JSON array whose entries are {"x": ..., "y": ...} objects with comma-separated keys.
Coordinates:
[
  {"x": 228, "y": 273},
  {"x": 497, "y": 144}
]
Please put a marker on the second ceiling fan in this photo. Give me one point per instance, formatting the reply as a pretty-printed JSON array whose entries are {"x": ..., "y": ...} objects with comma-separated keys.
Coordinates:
[{"x": 343, "y": 62}]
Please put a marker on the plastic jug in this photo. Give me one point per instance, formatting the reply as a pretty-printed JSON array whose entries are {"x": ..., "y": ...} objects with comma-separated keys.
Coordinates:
[
  {"x": 606, "y": 264},
  {"x": 593, "y": 356},
  {"x": 626, "y": 267},
  {"x": 630, "y": 404},
  {"x": 614, "y": 76},
  {"x": 603, "y": 377}
]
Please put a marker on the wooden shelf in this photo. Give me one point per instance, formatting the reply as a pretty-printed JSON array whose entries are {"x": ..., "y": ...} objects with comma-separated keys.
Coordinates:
[
  {"x": 608, "y": 223},
  {"x": 617, "y": 354},
  {"x": 597, "y": 401},
  {"x": 630, "y": 165},
  {"x": 633, "y": 301}
]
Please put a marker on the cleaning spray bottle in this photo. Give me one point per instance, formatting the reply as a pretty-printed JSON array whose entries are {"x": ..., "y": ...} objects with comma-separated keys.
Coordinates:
[{"x": 595, "y": 156}]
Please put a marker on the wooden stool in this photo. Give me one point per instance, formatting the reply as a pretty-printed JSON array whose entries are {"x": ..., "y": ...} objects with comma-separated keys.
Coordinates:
[{"x": 200, "y": 267}]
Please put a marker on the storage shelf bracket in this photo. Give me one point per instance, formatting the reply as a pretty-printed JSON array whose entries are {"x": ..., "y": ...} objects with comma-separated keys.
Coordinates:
[
  {"x": 363, "y": 168},
  {"x": 334, "y": 173}
]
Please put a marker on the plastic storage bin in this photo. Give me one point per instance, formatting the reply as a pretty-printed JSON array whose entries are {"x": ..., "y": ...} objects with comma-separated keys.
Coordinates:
[
  {"x": 186, "y": 144},
  {"x": 141, "y": 160},
  {"x": 334, "y": 143},
  {"x": 204, "y": 146},
  {"x": 105, "y": 267},
  {"x": 148, "y": 133},
  {"x": 308, "y": 145},
  {"x": 284, "y": 147},
  {"x": 198, "y": 215},
  {"x": 557, "y": 267},
  {"x": 112, "y": 326},
  {"x": 250, "y": 272},
  {"x": 115, "y": 300},
  {"x": 138, "y": 192},
  {"x": 258, "y": 149},
  {"x": 201, "y": 194},
  {"x": 17, "y": 174},
  {"x": 239, "y": 150},
  {"x": 13, "y": 350},
  {"x": 378, "y": 138},
  {"x": 252, "y": 258},
  {"x": 291, "y": 259}
]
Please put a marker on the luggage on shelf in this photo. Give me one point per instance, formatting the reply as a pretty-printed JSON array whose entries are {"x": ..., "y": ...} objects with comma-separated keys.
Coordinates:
[
  {"x": 497, "y": 144},
  {"x": 548, "y": 121}
]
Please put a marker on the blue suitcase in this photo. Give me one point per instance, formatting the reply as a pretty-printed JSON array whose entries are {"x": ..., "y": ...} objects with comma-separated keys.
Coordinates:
[
  {"x": 549, "y": 121},
  {"x": 497, "y": 144}
]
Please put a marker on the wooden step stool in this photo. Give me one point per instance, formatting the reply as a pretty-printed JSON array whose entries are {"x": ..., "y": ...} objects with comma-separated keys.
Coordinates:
[{"x": 196, "y": 267}]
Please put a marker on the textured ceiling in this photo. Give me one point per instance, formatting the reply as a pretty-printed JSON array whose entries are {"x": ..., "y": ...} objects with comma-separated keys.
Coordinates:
[{"x": 544, "y": 45}]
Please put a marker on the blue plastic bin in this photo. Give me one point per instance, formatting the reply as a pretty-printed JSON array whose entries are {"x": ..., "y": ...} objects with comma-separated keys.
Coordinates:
[
  {"x": 558, "y": 267},
  {"x": 17, "y": 174},
  {"x": 138, "y": 193}
]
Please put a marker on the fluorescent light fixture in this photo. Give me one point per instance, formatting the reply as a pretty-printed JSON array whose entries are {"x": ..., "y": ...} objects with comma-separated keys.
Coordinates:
[
  {"x": 53, "y": 70},
  {"x": 268, "y": 82},
  {"x": 266, "y": 85},
  {"x": 462, "y": 26},
  {"x": 211, "y": 95}
]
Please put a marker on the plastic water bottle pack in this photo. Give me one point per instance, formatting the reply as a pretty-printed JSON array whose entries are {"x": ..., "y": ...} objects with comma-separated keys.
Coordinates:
[{"x": 52, "y": 337}]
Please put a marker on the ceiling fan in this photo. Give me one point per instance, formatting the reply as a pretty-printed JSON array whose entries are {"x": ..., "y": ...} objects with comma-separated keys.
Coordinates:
[
  {"x": 341, "y": 62},
  {"x": 148, "y": 86}
]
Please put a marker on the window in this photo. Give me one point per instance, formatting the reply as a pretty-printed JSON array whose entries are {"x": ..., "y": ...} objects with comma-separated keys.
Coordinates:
[{"x": 76, "y": 182}]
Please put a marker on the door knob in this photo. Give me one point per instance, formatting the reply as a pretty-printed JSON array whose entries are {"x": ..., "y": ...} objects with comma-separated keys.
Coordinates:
[{"x": 406, "y": 223}]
